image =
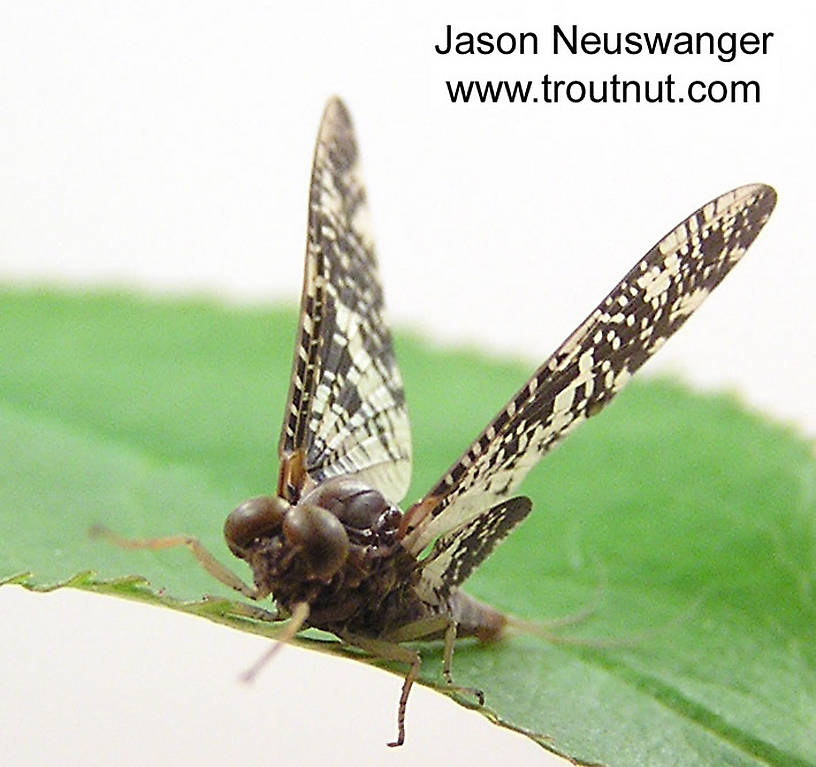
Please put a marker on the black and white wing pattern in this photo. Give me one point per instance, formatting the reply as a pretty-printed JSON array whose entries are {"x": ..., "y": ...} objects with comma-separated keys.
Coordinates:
[
  {"x": 455, "y": 555},
  {"x": 649, "y": 304},
  {"x": 345, "y": 414}
]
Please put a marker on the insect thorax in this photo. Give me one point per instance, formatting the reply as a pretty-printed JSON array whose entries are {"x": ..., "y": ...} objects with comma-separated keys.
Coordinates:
[{"x": 370, "y": 592}]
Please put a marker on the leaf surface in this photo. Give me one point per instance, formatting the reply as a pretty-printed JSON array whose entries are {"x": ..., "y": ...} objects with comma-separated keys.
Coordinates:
[{"x": 694, "y": 519}]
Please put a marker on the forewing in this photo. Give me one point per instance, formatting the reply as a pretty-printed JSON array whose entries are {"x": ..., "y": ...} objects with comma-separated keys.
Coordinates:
[
  {"x": 346, "y": 411},
  {"x": 458, "y": 553},
  {"x": 649, "y": 304}
]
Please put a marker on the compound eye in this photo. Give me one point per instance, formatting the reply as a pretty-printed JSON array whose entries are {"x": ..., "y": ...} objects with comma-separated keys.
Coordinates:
[
  {"x": 321, "y": 538},
  {"x": 252, "y": 519}
]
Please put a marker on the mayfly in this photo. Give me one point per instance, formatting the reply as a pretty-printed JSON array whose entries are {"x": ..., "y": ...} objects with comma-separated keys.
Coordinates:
[{"x": 331, "y": 546}]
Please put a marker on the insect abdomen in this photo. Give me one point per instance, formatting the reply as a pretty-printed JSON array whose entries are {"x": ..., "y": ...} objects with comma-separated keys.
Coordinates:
[{"x": 475, "y": 618}]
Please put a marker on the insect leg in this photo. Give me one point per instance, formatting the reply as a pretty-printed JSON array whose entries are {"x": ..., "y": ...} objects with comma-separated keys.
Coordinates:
[
  {"x": 385, "y": 650},
  {"x": 432, "y": 628},
  {"x": 300, "y": 613},
  {"x": 243, "y": 610},
  {"x": 447, "y": 658},
  {"x": 205, "y": 559}
]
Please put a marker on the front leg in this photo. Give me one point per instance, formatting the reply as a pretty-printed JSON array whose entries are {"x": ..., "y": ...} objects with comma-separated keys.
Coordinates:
[
  {"x": 299, "y": 615},
  {"x": 204, "y": 557}
]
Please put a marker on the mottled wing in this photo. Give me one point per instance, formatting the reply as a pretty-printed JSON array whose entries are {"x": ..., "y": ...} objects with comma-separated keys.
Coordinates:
[
  {"x": 346, "y": 409},
  {"x": 649, "y": 304},
  {"x": 457, "y": 554}
]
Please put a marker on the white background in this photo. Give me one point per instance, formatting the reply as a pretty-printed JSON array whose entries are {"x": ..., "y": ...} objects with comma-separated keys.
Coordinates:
[{"x": 166, "y": 147}]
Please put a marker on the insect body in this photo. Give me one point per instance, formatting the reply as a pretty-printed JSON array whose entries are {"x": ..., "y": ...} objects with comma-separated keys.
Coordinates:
[{"x": 331, "y": 546}]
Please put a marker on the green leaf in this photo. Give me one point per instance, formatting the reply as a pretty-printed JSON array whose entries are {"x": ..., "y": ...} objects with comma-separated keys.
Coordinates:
[{"x": 696, "y": 519}]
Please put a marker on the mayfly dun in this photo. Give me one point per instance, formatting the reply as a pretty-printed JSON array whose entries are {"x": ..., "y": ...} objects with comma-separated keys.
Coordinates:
[{"x": 331, "y": 546}]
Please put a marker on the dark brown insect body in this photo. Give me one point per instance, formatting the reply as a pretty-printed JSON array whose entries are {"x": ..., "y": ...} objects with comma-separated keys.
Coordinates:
[
  {"x": 340, "y": 555},
  {"x": 338, "y": 551},
  {"x": 331, "y": 547}
]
